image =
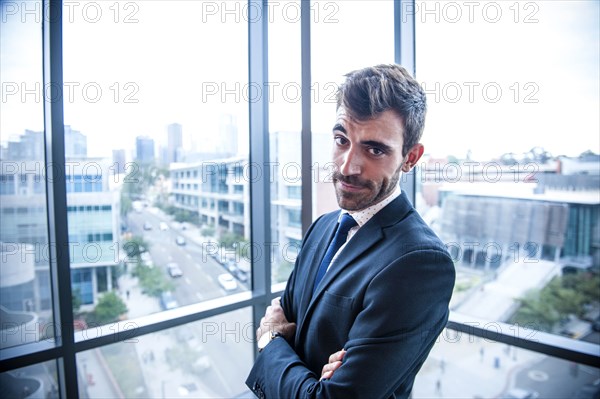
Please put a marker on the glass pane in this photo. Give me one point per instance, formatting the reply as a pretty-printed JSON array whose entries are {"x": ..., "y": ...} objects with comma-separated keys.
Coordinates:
[
  {"x": 157, "y": 140},
  {"x": 206, "y": 359},
  {"x": 464, "y": 366},
  {"x": 25, "y": 293},
  {"x": 339, "y": 46},
  {"x": 36, "y": 381},
  {"x": 285, "y": 125},
  {"x": 510, "y": 177}
]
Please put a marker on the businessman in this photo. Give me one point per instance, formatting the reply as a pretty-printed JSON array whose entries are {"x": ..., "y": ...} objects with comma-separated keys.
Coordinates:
[{"x": 369, "y": 293}]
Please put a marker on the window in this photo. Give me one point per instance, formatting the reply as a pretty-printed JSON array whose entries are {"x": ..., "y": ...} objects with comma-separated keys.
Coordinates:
[
  {"x": 25, "y": 297},
  {"x": 493, "y": 182}
]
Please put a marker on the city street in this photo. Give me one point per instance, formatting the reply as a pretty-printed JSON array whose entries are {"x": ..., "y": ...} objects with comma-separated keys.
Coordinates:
[{"x": 200, "y": 271}]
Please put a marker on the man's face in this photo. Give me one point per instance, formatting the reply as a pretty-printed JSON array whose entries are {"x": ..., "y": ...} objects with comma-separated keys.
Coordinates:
[{"x": 368, "y": 158}]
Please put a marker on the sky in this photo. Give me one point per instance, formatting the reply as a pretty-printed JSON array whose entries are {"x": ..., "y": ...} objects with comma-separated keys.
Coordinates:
[{"x": 500, "y": 76}]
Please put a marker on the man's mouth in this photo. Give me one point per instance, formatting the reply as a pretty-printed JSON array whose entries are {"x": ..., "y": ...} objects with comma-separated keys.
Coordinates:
[{"x": 349, "y": 185}]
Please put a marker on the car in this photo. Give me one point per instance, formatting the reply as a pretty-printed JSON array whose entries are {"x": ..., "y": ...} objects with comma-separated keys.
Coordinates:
[
  {"x": 241, "y": 275},
  {"x": 231, "y": 266},
  {"x": 174, "y": 270},
  {"x": 163, "y": 226},
  {"x": 147, "y": 226},
  {"x": 167, "y": 301},
  {"x": 180, "y": 240},
  {"x": 227, "y": 281}
]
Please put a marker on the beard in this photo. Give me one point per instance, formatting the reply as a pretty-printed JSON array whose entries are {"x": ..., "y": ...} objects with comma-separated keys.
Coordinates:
[{"x": 371, "y": 192}]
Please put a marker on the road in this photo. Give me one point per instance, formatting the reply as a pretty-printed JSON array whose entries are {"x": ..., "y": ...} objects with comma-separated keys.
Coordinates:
[
  {"x": 555, "y": 378},
  {"x": 200, "y": 271}
]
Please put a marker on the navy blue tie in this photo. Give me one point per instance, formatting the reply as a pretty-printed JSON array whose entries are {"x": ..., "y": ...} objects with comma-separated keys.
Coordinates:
[{"x": 339, "y": 239}]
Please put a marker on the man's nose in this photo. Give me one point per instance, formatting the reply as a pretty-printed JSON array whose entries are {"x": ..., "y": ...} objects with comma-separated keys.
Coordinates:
[{"x": 352, "y": 163}]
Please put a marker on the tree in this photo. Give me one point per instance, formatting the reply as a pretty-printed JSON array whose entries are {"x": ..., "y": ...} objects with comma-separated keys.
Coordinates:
[
  {"x": 535, "y": 313},
  {"x": 135, "y": 246},
  {"x": 152, "y": 281},
  {"x": 110, "y": 307},
  {"x": 76, "y": 300}
]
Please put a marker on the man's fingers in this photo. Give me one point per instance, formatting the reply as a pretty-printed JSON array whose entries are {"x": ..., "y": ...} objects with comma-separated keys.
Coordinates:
[
  {"x": 329, "y": 368},
  {"x": 337, "y": 356},
  {"x": 327, "y": 375}
]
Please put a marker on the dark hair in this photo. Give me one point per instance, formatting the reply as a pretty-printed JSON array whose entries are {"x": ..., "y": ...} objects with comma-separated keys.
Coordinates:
[{"x": 370, "y": 91}]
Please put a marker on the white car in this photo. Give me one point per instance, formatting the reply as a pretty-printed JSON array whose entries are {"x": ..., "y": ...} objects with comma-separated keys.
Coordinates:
[
  {"x": 174, "y": 270},
  {"x": 163, "y": 226},
  {"x": 227, "y": 282}
]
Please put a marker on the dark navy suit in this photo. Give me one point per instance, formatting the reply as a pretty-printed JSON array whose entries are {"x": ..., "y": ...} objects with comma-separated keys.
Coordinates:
[{"x": 384, "y": 299}]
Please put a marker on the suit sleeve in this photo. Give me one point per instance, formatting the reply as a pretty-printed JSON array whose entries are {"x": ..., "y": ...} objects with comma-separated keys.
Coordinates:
[{"x": 404, "y": 309}]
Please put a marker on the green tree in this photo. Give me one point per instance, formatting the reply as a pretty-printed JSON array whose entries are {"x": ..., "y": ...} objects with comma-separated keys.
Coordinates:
[
  {"x": 135, "y": 246},
  {"x": 152, "y": 280},
  {"x": 110, "y": 307},
  {"x": 536, "y": 313},
  {"x": 76, "y": 300},
  {"x": 208, "y": 231}
]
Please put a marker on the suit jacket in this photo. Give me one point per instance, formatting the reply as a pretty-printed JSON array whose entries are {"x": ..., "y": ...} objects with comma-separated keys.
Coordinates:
[{"x": 384, "y": 300}]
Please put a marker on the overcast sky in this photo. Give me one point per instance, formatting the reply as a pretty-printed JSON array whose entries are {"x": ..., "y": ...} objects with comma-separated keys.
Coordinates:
[{"x": 499, "y": 79}]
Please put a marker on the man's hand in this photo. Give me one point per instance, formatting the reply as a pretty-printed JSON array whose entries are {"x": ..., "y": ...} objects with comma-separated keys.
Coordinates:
[
  {"x": 274, "y": 320},
  {"x": 335, "y": 361}
]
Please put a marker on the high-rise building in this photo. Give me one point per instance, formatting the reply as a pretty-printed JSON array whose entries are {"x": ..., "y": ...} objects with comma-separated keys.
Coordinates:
[
  {"x": 75, "y": 143},
  {"x": 144, "y": 149},
  {"x": 228, "y": 136},
  {"x": 174, "y": 142},
  {"x": 119, "y": 159}
]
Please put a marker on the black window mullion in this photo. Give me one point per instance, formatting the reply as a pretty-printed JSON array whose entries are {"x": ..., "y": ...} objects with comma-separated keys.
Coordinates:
[
  {"x": 260, "y": 196},
  {"x": 404, "y": 54},
  {"x": 58, "y": 234},
  {"x": 306, "y": 137}
]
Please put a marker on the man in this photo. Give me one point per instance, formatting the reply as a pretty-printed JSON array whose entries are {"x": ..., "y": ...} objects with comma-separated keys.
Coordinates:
[{"x": 362, "y": 324}]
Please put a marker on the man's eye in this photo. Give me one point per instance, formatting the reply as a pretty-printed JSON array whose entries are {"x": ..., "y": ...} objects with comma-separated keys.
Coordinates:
[
  {"x": 339, "y": 140},
  {"x": 376, "y": 151}
]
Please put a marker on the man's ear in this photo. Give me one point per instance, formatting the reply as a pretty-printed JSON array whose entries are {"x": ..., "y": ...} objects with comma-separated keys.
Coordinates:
[{"x": 413, "y": 156}]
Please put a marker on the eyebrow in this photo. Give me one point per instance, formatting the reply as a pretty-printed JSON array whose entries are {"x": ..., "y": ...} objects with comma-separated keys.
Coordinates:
[
  {"x": 339, "y": 127},
  {"x": 370, "y": 143},
  {"x": 373, "y": 143}
]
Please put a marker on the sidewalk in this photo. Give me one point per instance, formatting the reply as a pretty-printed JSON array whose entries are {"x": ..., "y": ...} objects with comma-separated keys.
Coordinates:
[
  {"x": 138, "y": 304},
  {"x": 496, "y": 298},
  {"x": 95, "y": 377},
  {"x": 463, "y": 366},
  {"x": 161, "y": 380}
]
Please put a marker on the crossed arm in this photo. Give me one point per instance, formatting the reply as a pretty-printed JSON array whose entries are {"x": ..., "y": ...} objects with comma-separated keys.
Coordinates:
[
  {"x": 403, "y": 310},
  {"x": 275, "y": 320}
]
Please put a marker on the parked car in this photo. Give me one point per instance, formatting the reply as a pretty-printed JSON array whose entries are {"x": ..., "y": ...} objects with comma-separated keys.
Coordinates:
[
  {"x": 167, "y": 301},
  {"x": 180, "y": 240},
  {"x": 174, "y": 270},
  {"x": 227, "y": 282},
  {"x": 147, "y": 226},
  {"x": 241, "y": 275},
  {"x": 163, "y": 226}
]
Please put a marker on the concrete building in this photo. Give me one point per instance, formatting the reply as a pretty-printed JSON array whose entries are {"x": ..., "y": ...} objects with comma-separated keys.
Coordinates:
[
  {"x": 93, "y": 212},
  {"x": 494, "y": 223},
  {"x": 216, "y": 191}
]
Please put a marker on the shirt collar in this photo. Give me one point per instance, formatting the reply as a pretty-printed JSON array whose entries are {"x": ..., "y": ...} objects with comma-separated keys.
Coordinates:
[{"x": 364, "y": 215}]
